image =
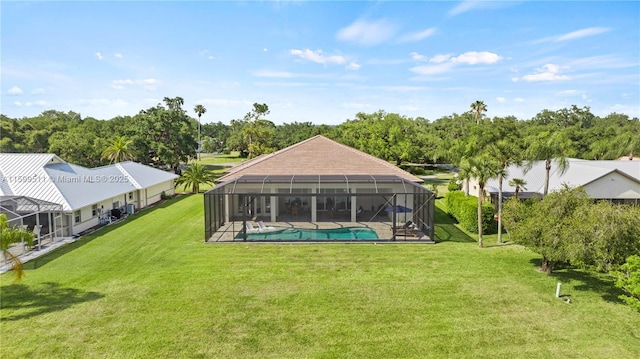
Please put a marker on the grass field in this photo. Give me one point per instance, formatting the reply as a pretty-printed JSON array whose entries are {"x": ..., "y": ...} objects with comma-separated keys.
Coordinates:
[{"x": 150, "y": 288}]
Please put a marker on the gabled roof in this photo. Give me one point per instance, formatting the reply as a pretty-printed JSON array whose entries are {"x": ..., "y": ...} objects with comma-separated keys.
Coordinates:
[
  {"x": 316, "y": 156},
  {"x": 47, "y": 177},
  {"x": 579, "y": 173}
]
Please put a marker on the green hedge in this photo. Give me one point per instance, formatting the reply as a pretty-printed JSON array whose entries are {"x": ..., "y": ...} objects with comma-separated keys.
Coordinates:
[{"x": 465, "y": 209}]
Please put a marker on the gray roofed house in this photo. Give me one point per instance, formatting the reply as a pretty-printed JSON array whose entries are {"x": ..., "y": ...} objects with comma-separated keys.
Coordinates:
[
  {"x": 617, "y": 181},
  {"x": 87, "y": 195},
  {"x": 318, "y": 182}
]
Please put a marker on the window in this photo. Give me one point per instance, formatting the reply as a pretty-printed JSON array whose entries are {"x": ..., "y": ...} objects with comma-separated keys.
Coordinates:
[
  {"x": 130, "y": 196},
  {"x": 94, "y": 210},
  {"x": 116, "y": 204},
  {"x": 76, "y": 216}
]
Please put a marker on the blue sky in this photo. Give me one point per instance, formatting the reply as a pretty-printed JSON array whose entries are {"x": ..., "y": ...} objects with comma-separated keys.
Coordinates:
[{"x": 321, "y": 62}]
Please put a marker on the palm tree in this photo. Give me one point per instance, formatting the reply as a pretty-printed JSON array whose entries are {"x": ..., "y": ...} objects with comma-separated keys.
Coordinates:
[
  {"x": 550, "y": 148},
  {"x": 118, "y": 150},
  {"x": 8, "y": 236},
  {"x": 478, "y": 107},
  {"x": 199, "y": 110},
  {"x": 519, "y": 184},
  {"x": 195, "y": 175},
  {"x": 481, "y": 168},
  {"x": 505, "y": 154}
]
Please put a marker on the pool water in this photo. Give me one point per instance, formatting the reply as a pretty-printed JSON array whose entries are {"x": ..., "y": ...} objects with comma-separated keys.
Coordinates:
[{"x": 297, "y": 234}]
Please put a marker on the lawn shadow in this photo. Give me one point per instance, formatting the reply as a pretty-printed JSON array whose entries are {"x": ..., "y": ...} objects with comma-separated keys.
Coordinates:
[
  {"x": 446, "y": 231},
  {"x": 83, "y": 240},
  {"x": 586, "y": 281},
  {"x": 20, "y": 301}
]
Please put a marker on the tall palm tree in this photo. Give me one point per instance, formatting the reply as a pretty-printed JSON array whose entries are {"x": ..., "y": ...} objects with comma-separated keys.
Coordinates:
[
  {"x": 194, "y": 176},
  {"x": 482, "y": 168},
  {"x": 478, "y": 107},
  {"x": 505, "y": 154},
  {"x": 199, "y": 110},
  {"x": 550, "y": 148},
  {"x": 8, "y": 236},
  {"x": 118, "y": 150},
  {"x": 518, "y": 183}
]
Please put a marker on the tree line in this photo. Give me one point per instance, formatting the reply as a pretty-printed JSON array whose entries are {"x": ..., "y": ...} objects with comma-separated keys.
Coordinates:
[{"x": 166, "y": 135}]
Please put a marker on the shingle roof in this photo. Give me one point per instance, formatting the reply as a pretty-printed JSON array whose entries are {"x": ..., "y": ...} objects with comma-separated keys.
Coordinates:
[
  {"x": 49, "y": 178},
  {"x": 317, "y": 156}
]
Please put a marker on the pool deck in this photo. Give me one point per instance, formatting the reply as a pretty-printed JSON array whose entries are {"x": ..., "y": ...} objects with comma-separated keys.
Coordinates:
[{"x": 227, "y": 232}]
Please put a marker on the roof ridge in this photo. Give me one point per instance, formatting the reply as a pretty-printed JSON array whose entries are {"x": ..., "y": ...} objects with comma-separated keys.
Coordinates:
[{"x": 128, "y": 175}]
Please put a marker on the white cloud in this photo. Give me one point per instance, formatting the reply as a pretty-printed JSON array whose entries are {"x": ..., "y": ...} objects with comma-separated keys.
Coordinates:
[
  {"x": 367, "y": 33},
  {"x": 99, "y": 56},
  {"x": 102, "y": 102},
  {"x": 38, "y": 91},
  {"x": 147, "y": 84},
  {"x": 318, "y": 56},
  {"x": 273, "y": 74},
  {"x": 17, "y": 103},
  {"x": 548, "y": 72},
  {"x": 417, "y": 36},
  {"x": 265, "y": 50},
  {"x": 211, "y": 57},
  {"x": 473, "y": 57},
  {"x": 417, "y": 57},
  {"x": 440, "y": 58},
  {"x": 518, "y": 99},
  {"x": 501, "y": 99},
  {"x": 353, "y": 66},
  {"x": 590, "y": 31},
  {"x": 432, "y": 69},
  {"x": 118, "y": 55},
  {"x": 15, "y": 91},
  {"x": 354, "y": 105},
  {"x": 464, "y": 7},
  {"x": 37, "y": 104}
]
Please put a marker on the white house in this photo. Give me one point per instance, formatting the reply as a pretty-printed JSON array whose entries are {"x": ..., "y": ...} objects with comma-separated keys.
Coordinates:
[
  {"x": 616, "y": 181},
  {"x": 87, "y": 195}
]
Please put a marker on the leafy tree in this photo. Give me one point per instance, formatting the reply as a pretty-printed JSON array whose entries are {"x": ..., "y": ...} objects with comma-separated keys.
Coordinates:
[
  {"x": 164, "y": 136},
  {"x": 603, "y": 235},
  {"x": 478, "y": 108},
  {"x": 629, "y": 280},
  {"x": 551, "y": 148},
  {"x": 118, "y": 150},
  {"x": 518, "y": 183},
  {"x": 216, "y": 135},
  {"x": 195, "y": 175},
  {"x": 545, "y": 225},
  {"x": 199, "y": 110},
  {"x": 9, "y": 236}
]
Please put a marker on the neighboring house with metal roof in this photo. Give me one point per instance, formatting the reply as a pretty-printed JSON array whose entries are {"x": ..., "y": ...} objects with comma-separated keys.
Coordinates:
[
  {"x": 318, "y": 180},
  {"x": 87, "y": 195},
  {"x": 617, "y": 181}
]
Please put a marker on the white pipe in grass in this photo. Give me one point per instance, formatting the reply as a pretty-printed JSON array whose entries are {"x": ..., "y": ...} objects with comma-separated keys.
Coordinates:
[{"x": 558, "y": 290}]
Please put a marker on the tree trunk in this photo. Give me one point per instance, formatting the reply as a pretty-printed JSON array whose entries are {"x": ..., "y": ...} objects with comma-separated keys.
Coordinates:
[
  {"x": 547, "y": 265},
  {"x": 480, "y": 192},
  {"x": 546, "y": 178},
  {"x": 500, "y": 209}
]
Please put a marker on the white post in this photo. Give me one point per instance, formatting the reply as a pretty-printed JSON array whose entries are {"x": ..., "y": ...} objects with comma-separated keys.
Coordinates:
[{"x": 558, "y": 290}]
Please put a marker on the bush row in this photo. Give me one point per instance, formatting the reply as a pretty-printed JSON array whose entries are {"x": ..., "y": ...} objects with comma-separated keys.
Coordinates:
[{"x": 465, "y": 209}]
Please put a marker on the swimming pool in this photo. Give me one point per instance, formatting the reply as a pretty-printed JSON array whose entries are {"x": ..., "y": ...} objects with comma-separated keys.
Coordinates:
[{"x": 300, "y": 234}]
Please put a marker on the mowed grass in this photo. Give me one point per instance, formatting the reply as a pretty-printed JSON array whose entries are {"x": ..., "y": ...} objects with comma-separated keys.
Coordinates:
[{"x": 150, "y": 288}]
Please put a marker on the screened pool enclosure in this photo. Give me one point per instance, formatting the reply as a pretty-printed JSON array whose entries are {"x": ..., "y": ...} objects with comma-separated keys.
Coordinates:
[{"x": 396, "y": 209}]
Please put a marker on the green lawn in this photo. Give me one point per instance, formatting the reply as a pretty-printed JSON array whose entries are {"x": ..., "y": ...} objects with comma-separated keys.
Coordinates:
[{"x": 150, "y": 288}]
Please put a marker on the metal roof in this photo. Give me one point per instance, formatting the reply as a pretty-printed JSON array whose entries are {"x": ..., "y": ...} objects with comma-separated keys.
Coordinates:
[
  {"x": 579, "y": 173},
  {"x": 49, "y": 178}
]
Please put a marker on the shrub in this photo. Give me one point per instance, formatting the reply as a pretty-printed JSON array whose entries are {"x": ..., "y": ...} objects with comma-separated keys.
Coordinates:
[
  {"x": 629, "y": 281},
  {"x": 453, "y": 186},
  {"x": 465, "y": 209}
]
